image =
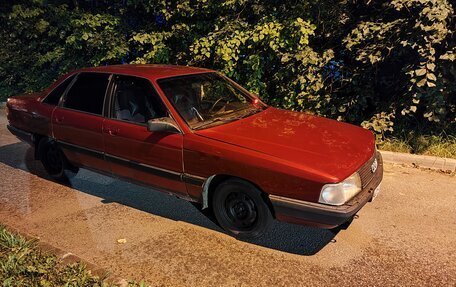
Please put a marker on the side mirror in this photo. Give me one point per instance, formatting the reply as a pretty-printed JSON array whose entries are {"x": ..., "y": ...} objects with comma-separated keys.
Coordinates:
[{"x": 162, "y": 125}]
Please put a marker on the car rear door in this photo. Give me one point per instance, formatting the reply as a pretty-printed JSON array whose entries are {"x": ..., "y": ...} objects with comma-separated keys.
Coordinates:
[
  {"x": 78, "y": 120},
  {"x": 152, "y": 158}
]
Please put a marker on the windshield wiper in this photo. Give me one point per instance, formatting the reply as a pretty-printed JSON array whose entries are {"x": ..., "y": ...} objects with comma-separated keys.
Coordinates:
[
  {"x": 248, "y": 113},
  {"x": 211, "y": 121},
  {"x": 229, "y": 119}
]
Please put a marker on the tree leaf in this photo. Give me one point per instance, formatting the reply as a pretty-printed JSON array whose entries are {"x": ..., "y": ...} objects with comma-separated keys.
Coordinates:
[
  {"x": 430, "y": 66},
  {"x": 431, "y": 76},
  {"x": 421, "y": 83},
  {"x": 420, "y": 72}
]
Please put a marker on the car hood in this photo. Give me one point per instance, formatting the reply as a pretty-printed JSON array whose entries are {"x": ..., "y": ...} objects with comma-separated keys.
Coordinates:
[{"x": 325, "y": 147}]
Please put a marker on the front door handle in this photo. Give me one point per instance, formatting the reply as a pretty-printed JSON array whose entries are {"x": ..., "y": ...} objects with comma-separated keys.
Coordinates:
[
  {"x": 59, "y": 119},
  {"x": 112, "y": 131}
]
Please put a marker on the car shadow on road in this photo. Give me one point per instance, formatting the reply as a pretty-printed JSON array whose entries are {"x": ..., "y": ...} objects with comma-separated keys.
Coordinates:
[{"x": 281, "y": 236}]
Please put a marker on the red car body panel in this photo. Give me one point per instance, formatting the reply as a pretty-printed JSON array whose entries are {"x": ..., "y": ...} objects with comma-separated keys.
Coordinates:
[
  {"x": 137, "y": 144},
  {"x": 286, "y": 147},
  {"x": 286, "y": 154},
  {"x": 323, "y": 148},
  {"x": 80, "y": 129},
  {"x": 29, "y": 115}
]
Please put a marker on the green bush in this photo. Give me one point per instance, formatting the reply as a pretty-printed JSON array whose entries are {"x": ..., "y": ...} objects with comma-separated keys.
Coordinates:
[
  {"x": 22, "y": 264},
  {"x": 388, "y": 65}
]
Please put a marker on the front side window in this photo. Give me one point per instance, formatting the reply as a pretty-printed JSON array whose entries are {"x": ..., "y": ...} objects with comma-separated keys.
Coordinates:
[
  {"x": 54, "y": 96},
  {"x": 87, "y": 93},
  {"x": 135, "y": 100},
  {"x": 207, "y": 99}
]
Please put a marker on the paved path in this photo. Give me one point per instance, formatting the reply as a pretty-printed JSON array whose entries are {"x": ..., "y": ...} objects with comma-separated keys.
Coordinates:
[{"x": 406, "y": 237}]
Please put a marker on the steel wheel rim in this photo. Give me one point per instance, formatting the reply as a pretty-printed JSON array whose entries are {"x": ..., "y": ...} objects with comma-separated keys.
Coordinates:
[{"x": 240, "y": 210}]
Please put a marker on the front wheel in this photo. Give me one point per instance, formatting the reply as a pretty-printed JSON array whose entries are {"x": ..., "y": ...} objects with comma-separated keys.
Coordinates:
[{"x": 240, "y": 209}]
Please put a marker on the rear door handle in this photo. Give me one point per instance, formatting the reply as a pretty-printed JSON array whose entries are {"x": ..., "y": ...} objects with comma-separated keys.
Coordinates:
[
  {"x": 59, "y": 119},
  {"x": 112, "y": 131}
]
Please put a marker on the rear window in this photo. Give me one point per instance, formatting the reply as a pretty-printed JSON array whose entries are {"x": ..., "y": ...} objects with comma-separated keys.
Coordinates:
[
  {"x": 87, "y": 93},
  {"x": 54, "y": 96}
]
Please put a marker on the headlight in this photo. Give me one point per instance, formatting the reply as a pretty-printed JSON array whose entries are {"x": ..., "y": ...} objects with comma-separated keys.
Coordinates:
[{"x": 339, "y": 193}]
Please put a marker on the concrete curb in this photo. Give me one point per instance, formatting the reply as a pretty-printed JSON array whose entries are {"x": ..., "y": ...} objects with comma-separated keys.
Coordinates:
[{"x": 425, "y": 161}]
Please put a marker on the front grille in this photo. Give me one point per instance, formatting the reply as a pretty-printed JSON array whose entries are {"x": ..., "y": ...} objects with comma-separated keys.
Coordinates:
[{"x": 365, "y": 172}]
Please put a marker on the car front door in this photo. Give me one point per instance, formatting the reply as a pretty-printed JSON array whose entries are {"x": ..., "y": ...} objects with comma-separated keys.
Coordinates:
[
  {"x": 152, "y": 158},
  {"x": 78, "y": 121}
]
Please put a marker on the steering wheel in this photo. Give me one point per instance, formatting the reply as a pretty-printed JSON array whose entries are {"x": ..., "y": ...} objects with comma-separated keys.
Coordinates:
[{"x": 213, "y": 106}]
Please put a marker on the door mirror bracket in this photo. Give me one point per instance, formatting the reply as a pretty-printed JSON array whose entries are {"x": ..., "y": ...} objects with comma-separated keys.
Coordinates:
[{"x": 164, "y": 124}]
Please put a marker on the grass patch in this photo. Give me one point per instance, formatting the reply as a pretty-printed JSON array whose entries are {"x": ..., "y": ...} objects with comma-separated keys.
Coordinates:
[
  {"x": 441, "y": 146},
  {"x": 23, "y": 264}
]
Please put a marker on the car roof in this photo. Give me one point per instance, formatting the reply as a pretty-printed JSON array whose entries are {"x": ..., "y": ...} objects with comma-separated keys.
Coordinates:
[{"x": 152, "y": 72}]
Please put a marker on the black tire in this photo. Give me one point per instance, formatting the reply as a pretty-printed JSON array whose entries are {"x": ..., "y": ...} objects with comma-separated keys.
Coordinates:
[
  {"x": 54, "y": 161},
  {"x": 240, "y": 209}
]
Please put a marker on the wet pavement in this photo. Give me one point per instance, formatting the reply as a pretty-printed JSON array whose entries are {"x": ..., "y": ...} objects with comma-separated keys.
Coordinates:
[{"x": 405, "y": 237}]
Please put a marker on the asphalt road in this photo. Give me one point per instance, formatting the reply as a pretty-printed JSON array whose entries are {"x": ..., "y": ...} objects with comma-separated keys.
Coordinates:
[{"x": 406, "y": 237}]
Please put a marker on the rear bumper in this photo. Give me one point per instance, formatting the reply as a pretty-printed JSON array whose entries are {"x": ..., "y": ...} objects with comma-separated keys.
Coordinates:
[
  {"x": 21, "y": 134},
  {"x": 322, "y": 215}
]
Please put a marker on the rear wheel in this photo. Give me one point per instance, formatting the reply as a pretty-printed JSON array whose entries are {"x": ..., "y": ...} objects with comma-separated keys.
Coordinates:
[
  {"x": 54, "y": 161},
  {"x": 240, "y": 209}
]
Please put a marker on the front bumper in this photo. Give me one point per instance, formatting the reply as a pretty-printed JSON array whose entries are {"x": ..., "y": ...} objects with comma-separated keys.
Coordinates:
[{"x": 322, "y": 215}]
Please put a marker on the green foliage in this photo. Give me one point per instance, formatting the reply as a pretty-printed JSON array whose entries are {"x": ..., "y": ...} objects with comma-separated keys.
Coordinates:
[
  {"x": 41, "y": 41},
  {"x": 416, "y": 39},
  {"x": 95, "y": 39},
  {"x": 382, "y": 64},
  {"x": 21, "y": 264},
  {"x": 435, "y": 145},
  {"x": 269, "y": 49}
]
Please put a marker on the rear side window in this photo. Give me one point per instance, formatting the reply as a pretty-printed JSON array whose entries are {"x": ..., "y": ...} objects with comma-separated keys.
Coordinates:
[
  {"x": 54, "y": 96},
  {"x": 87, "y": 93}
]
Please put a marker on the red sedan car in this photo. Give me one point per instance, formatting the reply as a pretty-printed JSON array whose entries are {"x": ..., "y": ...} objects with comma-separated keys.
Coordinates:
[{"x": 196, "y": 134}]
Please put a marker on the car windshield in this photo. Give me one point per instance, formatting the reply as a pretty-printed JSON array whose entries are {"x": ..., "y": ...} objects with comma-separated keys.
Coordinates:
[{"x": 208, "y": 99}]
